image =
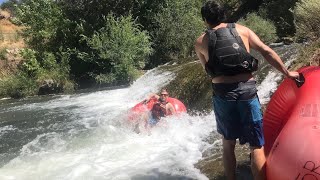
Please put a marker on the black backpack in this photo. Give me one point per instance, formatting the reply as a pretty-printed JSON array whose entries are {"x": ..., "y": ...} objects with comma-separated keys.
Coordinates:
[{"x": 227, "y": 53}]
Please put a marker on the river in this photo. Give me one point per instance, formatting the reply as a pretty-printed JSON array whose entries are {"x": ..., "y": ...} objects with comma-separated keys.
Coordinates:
[{"x": 86, "y": 135}]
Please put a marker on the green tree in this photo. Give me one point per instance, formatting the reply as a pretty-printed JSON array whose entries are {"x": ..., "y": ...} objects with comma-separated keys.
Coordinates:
[
  {"x": 41, "y": 19},
  {"x": 179, "y": 23},
  {"x": 119, "y": 49}
]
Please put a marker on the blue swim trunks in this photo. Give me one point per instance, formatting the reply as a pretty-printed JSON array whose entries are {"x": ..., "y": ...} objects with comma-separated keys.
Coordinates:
[
  {"x": 152, "y": 121},
  {"x": 238, "y": 112}
]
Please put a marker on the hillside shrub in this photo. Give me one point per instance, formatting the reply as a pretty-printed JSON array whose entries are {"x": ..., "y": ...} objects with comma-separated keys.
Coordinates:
[
  {"x": 33, "y": 74},
  {"x": 307, "y": 18},
  {"x": 120, "y": 49},
  {"x": 179, "y": 24},
  {"x": 17, "y": 86},
  {"x": 264, "y": 28},
  {"x": 42, "y": 18},
  {"x": 30, "y": 65}
]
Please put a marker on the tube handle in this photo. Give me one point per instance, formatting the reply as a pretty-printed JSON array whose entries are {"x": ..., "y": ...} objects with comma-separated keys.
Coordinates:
[{"x": 300, "y": 80}]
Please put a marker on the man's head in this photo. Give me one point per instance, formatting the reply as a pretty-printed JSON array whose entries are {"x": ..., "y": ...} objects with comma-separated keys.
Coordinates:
[
  {"x": 213, "y": 13},
  {"x": 164, "y": 95}
]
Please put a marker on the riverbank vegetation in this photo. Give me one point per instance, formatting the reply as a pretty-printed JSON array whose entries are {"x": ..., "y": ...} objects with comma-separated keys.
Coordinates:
[{"x": 78, "y": 44}]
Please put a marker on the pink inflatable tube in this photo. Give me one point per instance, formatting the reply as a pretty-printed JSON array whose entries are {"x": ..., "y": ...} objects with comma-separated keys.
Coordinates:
[{"x": 292, "y": 129}]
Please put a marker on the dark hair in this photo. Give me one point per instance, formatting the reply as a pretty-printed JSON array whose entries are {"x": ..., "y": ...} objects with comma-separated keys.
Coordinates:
[
  {"x": 164, "y": 90},
  {"x": 213, "y": 12}
]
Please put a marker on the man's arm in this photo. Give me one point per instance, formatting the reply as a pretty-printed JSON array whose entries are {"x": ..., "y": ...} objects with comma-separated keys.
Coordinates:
[
  {"x": 198, "y": 48},
  {"x": 150, "y": 96},
  {"x": 270, "y": 55},
  {"x": 171, "y": 109}
]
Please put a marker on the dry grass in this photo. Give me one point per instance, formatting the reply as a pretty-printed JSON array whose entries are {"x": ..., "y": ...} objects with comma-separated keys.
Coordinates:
[
  {"x": 10, "y": 44},
  {"x": 4, "y": 14},
  {"x": 10, "y": 35}
]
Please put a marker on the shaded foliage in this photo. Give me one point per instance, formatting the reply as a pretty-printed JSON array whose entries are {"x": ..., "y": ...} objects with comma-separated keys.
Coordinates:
[
  {"x": 241, "y": 8},
  {"x": 280, "y": 12}
]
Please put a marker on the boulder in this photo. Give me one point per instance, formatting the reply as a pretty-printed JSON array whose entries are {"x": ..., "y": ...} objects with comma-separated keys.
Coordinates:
[
  {"x": 49, "y": 86},
  {"x": 288, "y": 40}
]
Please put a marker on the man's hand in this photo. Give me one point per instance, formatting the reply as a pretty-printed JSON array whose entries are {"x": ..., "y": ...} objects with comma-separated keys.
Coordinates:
[{"x": 293, "y": 75}]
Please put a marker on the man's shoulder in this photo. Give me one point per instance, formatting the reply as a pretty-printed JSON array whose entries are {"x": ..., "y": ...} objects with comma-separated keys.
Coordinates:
[
  {"x": 201, "y": 40},
  {"x": 242, "y": 28}
]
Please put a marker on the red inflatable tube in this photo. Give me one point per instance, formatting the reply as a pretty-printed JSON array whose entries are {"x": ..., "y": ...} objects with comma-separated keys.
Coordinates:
[
  {"x": 142, "y": 107},
  {"x": 292, "y": 129}
]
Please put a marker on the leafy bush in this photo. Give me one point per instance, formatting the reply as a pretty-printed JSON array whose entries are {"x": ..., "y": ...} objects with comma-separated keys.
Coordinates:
[
  {"x": 119, "y": 50},
  {"x": 30, "y": 64},
  {"x": 42, "y": 19},
  {"x": 105, "y": 78},
  {"x": 307, "y": 18},
  {"x": 179, "y": 24},
  {"x": 264, "y": 28},
  {"x": 17, "y": 86},
  {"x": 36, "y": 73}
]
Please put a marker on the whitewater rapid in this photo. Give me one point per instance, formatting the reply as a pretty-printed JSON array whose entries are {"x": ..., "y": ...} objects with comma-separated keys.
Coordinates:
[{"x": 92, "y": 140}]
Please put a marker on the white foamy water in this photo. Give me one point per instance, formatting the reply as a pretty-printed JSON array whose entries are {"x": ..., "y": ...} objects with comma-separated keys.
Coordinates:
[
  {"x": 92, "y": 141},
  {"x": 270, "y": 83}
]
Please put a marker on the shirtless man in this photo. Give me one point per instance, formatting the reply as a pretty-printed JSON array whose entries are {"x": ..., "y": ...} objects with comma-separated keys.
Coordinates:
[{"x": 223, "y": 51}]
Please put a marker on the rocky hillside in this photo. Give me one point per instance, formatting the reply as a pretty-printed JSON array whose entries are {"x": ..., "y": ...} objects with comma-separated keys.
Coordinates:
[{"x": 10, "y": 44}]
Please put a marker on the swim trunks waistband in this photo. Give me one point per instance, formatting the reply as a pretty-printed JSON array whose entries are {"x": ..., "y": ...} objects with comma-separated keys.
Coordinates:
[{"x": 242, "y": 90}]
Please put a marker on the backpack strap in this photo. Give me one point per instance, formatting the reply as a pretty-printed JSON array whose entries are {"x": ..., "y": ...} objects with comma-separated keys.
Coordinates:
[
  {"x": 211, "y": 51},
  {"x": 212, "y": 38},
  {"x": 232, "y": 28},
  {"x": 212, "y": 43}
]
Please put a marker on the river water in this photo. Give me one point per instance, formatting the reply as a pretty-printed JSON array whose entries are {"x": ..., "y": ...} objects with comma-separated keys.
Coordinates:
[{"x": 86, "y": 135}]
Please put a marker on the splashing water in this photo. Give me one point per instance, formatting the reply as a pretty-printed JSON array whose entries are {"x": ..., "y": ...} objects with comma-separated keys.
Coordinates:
[{"x": 83, "y": 137}]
